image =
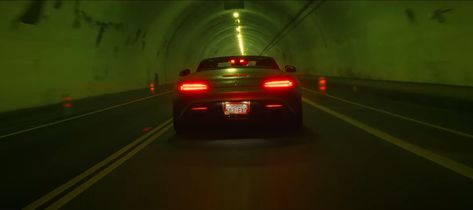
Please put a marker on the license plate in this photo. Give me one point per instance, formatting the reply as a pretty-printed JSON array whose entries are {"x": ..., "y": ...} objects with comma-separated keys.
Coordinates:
[{"x": 236, "y": 108}]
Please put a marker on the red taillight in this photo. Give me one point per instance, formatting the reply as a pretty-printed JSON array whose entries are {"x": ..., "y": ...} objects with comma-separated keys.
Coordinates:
[
  {"x": 199, "y": 108},
  {"x": 274, "y": 105},
  {"x": 193, "y": 87},
  {"x": 279, "y": 84}
]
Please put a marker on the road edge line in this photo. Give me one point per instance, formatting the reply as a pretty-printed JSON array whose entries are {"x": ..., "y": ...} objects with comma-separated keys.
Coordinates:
[
  {"x": 460, "y": 133},
  {"x": 445, "y": 162},
  {"x": 97, "y": 177},
  {"x": 82, "y": 115}
]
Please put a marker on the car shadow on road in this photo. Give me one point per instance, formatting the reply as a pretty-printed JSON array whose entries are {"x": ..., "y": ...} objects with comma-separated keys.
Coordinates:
[
  {"x": 271, "y": 168},
  {"x": 235, "y": 137}
]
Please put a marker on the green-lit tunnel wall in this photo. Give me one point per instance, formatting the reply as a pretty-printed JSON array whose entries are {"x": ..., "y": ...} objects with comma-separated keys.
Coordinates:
[{"x": 51, "y": 49}]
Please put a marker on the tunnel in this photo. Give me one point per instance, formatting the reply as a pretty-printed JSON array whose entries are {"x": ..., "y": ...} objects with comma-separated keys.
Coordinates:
[{"x": 86, "y": 89}]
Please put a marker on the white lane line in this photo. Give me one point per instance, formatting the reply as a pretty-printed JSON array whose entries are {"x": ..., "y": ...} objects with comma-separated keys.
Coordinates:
[
  {"x": 448, "y": 163},
  {"x": 82, "y": 115},
  {"x": 51, "y": 195},
  {"x": 396, "y": 115},
  {"x": 71, "y": 195}
]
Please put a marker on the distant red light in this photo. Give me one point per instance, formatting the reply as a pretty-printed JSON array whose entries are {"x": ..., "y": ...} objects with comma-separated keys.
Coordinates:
[
  {"x": 322, "y": 84},
  {"x": 200, "y": 108},
  {"x": 151, "y": 85},
  {"x": 147, "y": 129},
  {"x": 232, "y": 61},
  {"x": 67, "y": 105},
  {"x": 242, "y": 60}
]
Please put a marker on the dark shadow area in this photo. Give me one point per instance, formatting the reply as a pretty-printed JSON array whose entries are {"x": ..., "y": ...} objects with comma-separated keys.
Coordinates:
[
  {"x": 243, "y": 136},
  {"x": 247, "y": 168}
]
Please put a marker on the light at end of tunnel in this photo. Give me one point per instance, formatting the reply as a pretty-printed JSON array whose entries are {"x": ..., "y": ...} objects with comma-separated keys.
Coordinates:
[{"x": 236, "y": 14}]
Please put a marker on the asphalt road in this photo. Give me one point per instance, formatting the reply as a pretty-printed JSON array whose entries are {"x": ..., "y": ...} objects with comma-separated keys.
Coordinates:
[{"x": 356, "y": 151}]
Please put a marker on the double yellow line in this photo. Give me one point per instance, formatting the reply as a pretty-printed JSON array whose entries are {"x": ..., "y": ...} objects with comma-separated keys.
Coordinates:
[{"x": 58, "y": 197}]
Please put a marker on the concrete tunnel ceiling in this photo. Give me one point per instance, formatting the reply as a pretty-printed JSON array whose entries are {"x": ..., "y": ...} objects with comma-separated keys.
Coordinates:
[
  {"x": 114, "y": 46},
  {"x": 210, "y": 30}
]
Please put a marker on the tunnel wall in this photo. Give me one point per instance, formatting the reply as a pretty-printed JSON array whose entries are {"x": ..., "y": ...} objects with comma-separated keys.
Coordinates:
[
  {"x": 75, "y": 49},
  {"x": 415, "y": 41},
  {"x": 79, "y": 49}
]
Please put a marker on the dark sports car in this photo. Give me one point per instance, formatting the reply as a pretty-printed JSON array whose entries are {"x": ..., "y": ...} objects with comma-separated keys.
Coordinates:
[{"x": 237, "y": 89}]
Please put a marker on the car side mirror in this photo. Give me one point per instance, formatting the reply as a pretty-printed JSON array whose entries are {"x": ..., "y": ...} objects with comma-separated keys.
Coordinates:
[
  {"x": 185, "y": 72},
  {"x": 290, "y": 68}
]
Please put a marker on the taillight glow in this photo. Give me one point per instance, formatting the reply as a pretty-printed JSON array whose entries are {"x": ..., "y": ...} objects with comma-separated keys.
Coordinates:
[
  {"x": 278, "y": 84},
  {"x": 274, "y": 105},
  {"x": 200, "y": 108},
  {"x": 232, "y": 61},
  {"x": 322, "y": 84},
  {"x": 193, "y": 87}
]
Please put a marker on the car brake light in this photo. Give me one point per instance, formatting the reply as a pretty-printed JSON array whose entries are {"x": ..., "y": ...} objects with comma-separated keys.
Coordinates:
[
  {"x": 193, "y": 87},
  {"x": 279, "y": 84},
  {"x": 199, "y": 108},
  {"x": 274, "y": 105}
]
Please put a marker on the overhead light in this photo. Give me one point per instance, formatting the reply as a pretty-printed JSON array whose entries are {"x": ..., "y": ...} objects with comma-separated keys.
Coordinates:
[
  {"x": 236, "y": 14},
  {"x": 238, "y": 30}
]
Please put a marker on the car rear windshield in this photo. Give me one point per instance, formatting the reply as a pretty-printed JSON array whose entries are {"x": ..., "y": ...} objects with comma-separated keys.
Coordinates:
[{"x": 257, "y": 62}]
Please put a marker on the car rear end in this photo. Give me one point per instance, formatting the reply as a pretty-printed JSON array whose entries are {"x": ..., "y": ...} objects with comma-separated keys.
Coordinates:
[{"x": 237, "y": 95}]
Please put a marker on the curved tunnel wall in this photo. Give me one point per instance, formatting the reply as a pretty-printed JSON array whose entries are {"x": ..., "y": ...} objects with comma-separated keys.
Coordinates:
[
  {"x": 416, "y": 41},
  {"x": 53, "y": 49}
]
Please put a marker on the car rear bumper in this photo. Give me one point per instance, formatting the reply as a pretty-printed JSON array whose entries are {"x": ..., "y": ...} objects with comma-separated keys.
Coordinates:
[{"x": 259, "y": 112}]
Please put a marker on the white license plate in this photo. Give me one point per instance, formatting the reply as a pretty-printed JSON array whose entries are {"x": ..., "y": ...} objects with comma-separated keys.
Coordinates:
[{"x": 236, "y": 108}]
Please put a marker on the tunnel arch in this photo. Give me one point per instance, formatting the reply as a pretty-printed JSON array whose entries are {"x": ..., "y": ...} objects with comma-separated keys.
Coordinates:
[{"x": 409, "y": 41}]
